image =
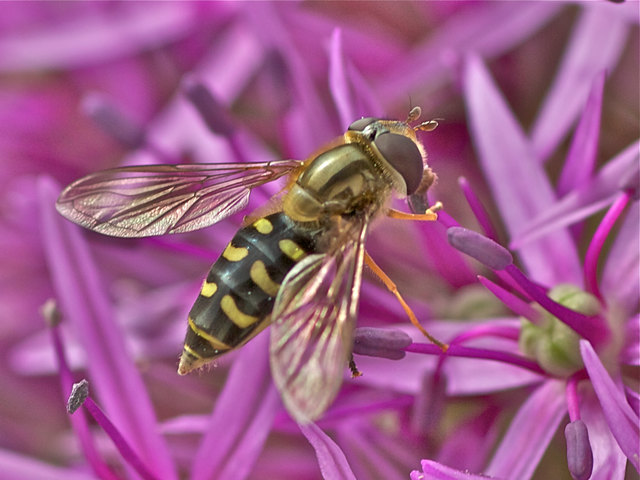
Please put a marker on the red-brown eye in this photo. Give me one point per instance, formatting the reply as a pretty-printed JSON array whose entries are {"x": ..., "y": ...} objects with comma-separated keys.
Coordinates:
[{"x": 403, "y": 155}]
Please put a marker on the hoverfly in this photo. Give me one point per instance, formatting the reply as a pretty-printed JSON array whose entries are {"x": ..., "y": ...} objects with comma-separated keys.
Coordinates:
[{"x": 298, "y": 269}]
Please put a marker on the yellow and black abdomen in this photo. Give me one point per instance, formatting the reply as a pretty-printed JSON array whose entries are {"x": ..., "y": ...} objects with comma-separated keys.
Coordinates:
[{"x": 238, "y": 295}]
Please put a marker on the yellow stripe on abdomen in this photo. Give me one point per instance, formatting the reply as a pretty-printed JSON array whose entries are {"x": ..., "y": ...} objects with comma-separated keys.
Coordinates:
[
  {"x": 263, "y": 226},
  {"x": 208, "y": 289},
  {"x": 291, "y": 249},
  {"x": 215, "y": 343},
  {"x": 232, "y": 311},
  {"x": 261, "y": 277},
  {"x": 235, "y": 254}
]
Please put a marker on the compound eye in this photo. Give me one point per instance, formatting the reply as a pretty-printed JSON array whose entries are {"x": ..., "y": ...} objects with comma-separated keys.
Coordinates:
[
  {"x": 403, "y": 155},
  {"x": 360, "y": 125}
]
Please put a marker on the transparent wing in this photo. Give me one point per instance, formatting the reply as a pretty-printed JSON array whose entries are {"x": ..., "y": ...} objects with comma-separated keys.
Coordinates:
[
  {"x": 313, "y": 322},
  {"x": 146, "y": 200}
]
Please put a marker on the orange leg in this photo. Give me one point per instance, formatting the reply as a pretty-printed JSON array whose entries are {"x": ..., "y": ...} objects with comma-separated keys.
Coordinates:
[
  {"x": 429, "y": 216},
  {"x": 393, "y": 289}
]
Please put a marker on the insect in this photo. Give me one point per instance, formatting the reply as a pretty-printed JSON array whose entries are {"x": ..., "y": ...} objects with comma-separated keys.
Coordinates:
[{"x": 298, "y": 268}]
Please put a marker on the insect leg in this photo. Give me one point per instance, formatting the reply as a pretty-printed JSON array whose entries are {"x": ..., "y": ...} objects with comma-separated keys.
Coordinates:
[
  {"x": 429, "y": 215},
  {"x": 355, "y": 373},
  {"x": 391, "y": 286}
]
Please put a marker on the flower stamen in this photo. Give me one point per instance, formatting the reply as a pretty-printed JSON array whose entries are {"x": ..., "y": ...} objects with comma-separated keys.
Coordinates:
[
  {"x": 514, "y": 303},
  {"x": 483, "y": 249},
  {"x": 597, "y": 242},
  {"x": 80, "y": 397},
  {"x": 592, "y": 328},
  {"x": 579, "y": 454},
  {"x": 470, "y": 352},
  {"x": 53, "y": 317},
  {"x": 477, "y": 208},
  {"x": 379, "y": 342},
  {"x": 112, "y": 121}
]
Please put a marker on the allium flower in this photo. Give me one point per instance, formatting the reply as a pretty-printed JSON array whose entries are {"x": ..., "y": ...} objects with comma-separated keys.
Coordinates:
[
  {"x": 538, "y": 378},
  {"x": 572, "y": 317}
]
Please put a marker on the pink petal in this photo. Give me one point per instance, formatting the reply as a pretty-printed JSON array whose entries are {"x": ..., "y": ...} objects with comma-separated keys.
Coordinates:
[
  {"x": 339, "y": 81},
  {"x": 631, "y": 353},
  {"x": 333, "y": 463},
  {"x": 583, "y": 201},
  {"x": 596, "y": 45},
  {"x": 584, "y": 146},
  {"x": 519, "y": 184},
  {"x": 488, "y": 29},
  {"x": 352, "y": 96},
  {"x": 434, "y": 471},
  {"x": 620, "y": 281},
  {"x": 623, "y": 422},
  {"x": 89, "y": 38},
  {"x": 242, "y": 417},
  {"x": 530, "y": 432},
  {"x": 116, "y": 380},
  {"x": 17, "y": 466},
  {"x": 608, "y": 460}
]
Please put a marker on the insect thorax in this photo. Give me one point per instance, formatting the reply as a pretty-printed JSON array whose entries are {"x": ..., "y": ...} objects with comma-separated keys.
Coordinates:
[{"x": 337, "y": 182}]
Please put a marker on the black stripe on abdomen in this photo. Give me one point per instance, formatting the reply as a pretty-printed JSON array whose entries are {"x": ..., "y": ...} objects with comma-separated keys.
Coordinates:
[{"x": 240, "y": 290}]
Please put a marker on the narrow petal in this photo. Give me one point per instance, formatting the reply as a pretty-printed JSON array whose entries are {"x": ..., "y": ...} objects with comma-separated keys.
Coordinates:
[
  {"x": 622, "y": 420},
  {"x": 596, "y": 45},
  {"x": 429, "y": 404},
  {"x": 633, "y": 398},
  {"x": 530, "y": 432},
  {"x": 242, "y": 417},
  {"x": 609, "y": 461},
  {"x": 630, "y": 354},
  {"x": 309, "y": 122},
  {"x": 339, "y": 81},
  {"x": 452, "y": 266},
  {"x": 370, "y": 450},
  {"x": 583, "y": 201},
  {"x": 13, "y": 465},
  {"x": 333, "y": 463},
  {"x": 582, "y": 155},
  {"x": 471, "y": 443},
  {"x": 488, "y": 31},
  {"x": 115, "y": 377},
  {"x": 620, "y": 280},
  {"x": 519, "y": 185},
  {"x": 352, "y": 95},
  {"x": 435, "y": 471},
  {"x": 84, "y": 40}
]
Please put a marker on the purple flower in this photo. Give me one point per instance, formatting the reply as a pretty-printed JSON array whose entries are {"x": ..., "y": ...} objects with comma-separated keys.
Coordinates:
[{"x": 92, "y": 85}]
